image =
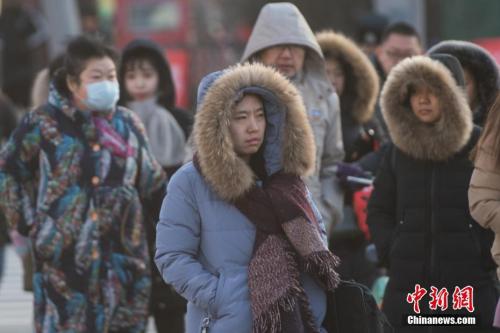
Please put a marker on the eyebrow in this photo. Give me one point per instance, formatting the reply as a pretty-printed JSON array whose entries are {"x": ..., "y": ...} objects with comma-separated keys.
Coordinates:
[
  {"x": 99, "y": 71},
  {"x": 247, "y": 111}
]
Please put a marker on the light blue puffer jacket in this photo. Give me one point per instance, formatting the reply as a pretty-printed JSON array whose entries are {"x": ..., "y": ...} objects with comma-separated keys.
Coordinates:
[{"x": 204, "y": 243}]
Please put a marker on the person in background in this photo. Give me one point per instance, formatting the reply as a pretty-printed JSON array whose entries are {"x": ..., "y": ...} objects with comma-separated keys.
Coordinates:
[
  {"x": 418, "y": 213},
  {"x": 369, "y": 32},
  {"x": 24, "y": 45},
  {"x": 399, "y": 41},
  {"x": 237, "y": 220},
  {"x": 282, "y": 39},
  {"x": 39, "y": 97},
  {"x": 357, "y": 86},
  {"x": 88, "y": 164},
  {"x": 482, "y": 77},
  {"x": 8, "y": 122},
  {"x": 484, "y": 191},
  {"x": 148, "y": 90}
]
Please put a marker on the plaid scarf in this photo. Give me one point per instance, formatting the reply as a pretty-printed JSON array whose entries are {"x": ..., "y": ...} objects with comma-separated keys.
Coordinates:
[{"x": 287, "y": 243}]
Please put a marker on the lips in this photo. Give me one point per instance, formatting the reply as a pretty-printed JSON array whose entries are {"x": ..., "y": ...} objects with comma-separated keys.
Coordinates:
[
  {"x": 425, "y": 111},
  {"x": 252, "y": 142}
]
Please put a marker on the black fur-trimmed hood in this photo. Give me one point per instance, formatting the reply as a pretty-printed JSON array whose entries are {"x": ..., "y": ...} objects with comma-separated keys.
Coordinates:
[
  {"x": 436, "y": 142},
  {"x": 482, "y": 66}
]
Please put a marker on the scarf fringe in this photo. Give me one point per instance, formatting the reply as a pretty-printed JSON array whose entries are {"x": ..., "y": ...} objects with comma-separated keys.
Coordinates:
[
  {"x": 270, "y": 320},
  {"x": 322, "y": 265}
]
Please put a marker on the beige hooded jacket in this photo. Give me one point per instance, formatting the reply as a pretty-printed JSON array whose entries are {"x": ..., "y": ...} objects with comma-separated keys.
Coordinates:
[
  {"x": 282, "y": 23},
  {"x": 484, "y": 195}
]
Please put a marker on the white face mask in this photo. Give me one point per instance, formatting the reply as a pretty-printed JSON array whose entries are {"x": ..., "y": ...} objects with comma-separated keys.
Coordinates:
[{"x": 102, "y": 95}]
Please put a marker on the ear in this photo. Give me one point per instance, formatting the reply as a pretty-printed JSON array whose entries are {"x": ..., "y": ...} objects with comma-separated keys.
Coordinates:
[{"x": 72, "y": 84}]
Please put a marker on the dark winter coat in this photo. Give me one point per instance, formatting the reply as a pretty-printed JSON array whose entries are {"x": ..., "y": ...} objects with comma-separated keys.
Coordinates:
[
  {"x": 483, "y": 68},
  {"x": 418, "y": 213},
  {"x": 360, "y": 91}
]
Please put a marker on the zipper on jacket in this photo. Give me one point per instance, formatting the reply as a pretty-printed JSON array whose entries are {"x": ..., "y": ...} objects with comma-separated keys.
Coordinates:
[
  {"x": 205, "y": 323},
  {"x": 433, "y": 234}
]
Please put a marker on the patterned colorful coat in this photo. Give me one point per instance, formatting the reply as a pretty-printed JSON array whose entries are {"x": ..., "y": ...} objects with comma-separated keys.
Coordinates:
[{"x": 74, "y": 183}]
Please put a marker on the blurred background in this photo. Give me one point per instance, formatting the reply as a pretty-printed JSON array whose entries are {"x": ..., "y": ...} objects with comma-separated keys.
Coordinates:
[{"x": 200, "y": 36}]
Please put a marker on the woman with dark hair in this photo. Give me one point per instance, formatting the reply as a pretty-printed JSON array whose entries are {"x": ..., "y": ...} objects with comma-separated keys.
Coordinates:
[
  {"x": 148, "y": 90},
  {"x": 89, "y": 163},
  {"x": 239, "y": 235},
  {"x": 418, "y": 213},
  {"x": 357, "y": 85}
]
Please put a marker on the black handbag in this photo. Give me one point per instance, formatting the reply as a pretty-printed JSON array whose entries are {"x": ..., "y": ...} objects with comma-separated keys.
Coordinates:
[{"x": 351, "y": 308}]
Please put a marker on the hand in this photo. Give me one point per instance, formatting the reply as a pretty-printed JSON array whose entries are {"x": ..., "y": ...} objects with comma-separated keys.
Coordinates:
[{"x": 345, "y": 170}]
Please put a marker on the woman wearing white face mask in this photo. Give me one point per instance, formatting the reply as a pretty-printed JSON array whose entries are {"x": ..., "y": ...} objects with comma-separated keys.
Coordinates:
[{"x": 72, "y": 177}]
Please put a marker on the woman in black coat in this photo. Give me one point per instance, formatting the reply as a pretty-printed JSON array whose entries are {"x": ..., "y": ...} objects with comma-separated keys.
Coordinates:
[{"x": 418, "y": 213}]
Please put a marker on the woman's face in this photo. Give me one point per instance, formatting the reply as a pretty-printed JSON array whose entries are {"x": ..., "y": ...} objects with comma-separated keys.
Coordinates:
[
  {"x": 425, "y": 105},
  {"x": 335, "y": 74},
  {"x": 141, "y": 80},
  {"x": 247, "y": 126},
  {"x": 96, "y": 70}
]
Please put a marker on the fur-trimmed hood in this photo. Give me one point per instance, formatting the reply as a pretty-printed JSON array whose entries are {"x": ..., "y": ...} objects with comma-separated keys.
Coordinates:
[
  {"x": 363, "y": 74},
  {"x": 288, "y": 144},
  {"x": 436, "y": 142},
  {"x": 483, "y": 67}
]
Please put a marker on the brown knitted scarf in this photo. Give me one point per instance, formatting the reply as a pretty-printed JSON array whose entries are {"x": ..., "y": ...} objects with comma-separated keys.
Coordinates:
[{"x": 287, "y": 242}]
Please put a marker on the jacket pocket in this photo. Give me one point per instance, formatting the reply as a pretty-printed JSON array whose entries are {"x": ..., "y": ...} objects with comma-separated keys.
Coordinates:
[
  {"x": 214, "y": 306},
  {"x": 210, "y": 315}
]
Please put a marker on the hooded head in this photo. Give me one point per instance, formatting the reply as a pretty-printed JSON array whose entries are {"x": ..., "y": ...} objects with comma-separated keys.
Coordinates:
[
  {"x": 133, "y": 55},
  {"x": 288, "y": 140},
  {"x": 478, "y": 63},
  {"x": 435, "y": 141},
  {"x": 361, "y": 82},
  {"x": 283, "y": 24}
]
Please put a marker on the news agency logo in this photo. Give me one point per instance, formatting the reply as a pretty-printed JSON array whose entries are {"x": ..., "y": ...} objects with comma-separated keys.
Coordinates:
[
  {"x": 462, "y": 299},
  {"x": 440, "y": 320}
]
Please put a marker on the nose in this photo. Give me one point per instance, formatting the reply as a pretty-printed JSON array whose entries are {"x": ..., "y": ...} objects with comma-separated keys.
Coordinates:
[
  {"x": 287, "y": 52},
  {"x": 252, "y": 125},
  {"x": 139, "y": 83},
  {"x": 424, "y": 98}
]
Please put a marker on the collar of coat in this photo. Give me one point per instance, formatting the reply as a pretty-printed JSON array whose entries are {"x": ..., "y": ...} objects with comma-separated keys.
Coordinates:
[
  {"x": 229, "y": 175},
  {"x": 436, "y": 142},
  {"x": 366, "y": 82}
]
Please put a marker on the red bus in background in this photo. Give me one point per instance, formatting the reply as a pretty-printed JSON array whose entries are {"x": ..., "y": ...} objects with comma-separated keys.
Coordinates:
[
  {"x": 492, "y": 45},
  {"x": 198, "y": 36},
  {"x": 166, "y": 22}
]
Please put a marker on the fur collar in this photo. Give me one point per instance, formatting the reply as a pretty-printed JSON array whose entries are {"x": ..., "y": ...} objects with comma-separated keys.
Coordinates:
[
  {"x": 436, "y": 142},
  {"x": 228, "y": 175},
  {"x": 366, "y": 80}
]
